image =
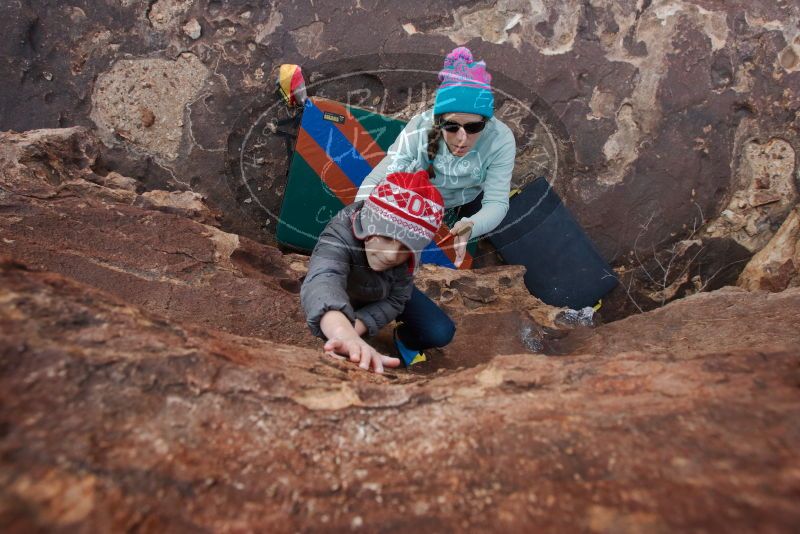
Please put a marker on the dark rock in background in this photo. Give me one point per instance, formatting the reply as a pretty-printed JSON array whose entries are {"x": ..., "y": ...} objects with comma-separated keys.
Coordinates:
[{"x": 638, "y": 111}]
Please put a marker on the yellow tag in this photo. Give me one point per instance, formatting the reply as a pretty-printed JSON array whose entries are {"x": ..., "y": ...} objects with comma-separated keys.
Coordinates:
[
  {"x": 333, "y": 117},
  {"x": 419, "y": 358}
]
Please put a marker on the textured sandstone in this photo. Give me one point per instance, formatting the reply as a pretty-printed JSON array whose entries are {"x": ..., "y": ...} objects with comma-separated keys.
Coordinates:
[
  {"x": 764, "y": 197},
  {"x": 688, "y": 326},
  {"x": 164, "y": 87},
  {"x": 59, "y": 215},
  {"x": 515, "y": 22},
  {"x": 193, "y": 29},
  {"x": 163, "y": 13},
  {"x": 637, "y": 110},
  {"x": 776, "y": 266},
  {"x": 309, "y": 39},
  {"x": 156, "y": 375},
  {"x": 115, "y": 418},
  {"x": 185, "y": 203}
]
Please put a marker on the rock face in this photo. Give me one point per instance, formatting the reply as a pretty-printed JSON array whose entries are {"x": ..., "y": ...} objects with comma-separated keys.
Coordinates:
[
  {"x": 156, "y": 375},
  {"x": 653, "y": 119},
  {"x": 764, "y": 198},
  {"x": 156, "y": 250},
  {"x": 650, "y": 280},
  {"x": 494, "y": 314},
  {"x": 115, "y": 418},
  {"x": 161, "y": 250},
  {"x": 142, "y": 102},
  {"x": 777, "y": 266},
  {"x": 692, "y": 326}
]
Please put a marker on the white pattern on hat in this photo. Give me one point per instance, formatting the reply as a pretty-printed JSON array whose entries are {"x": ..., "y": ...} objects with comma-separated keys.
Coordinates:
[{"x": 405, "y": 207}]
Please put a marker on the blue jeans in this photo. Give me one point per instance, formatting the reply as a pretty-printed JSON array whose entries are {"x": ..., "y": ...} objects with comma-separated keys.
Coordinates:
[{"x": 425, "y": 325}]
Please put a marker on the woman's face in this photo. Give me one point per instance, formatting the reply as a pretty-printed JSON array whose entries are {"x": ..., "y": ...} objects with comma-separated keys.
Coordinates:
[
  {"x": 384, "y": 252},
  {"x": 460, "y": 142}
]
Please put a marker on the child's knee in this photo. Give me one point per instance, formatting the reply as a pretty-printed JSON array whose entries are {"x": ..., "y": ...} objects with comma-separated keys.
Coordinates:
[{"x": 442, "y": 333}]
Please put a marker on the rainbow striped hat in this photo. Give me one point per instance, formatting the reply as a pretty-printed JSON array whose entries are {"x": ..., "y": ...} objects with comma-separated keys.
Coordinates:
[
  {"x": 465, "y": 87},
  {"x": 291, "y": 84}
]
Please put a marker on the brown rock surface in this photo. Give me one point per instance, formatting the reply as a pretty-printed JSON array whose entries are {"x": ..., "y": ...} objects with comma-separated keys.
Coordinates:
[
  {"x": 184, "y": 203},
  {"x": 776, "y": 266},
  {"x": 57, "y": 214},
  {"x": 485, "y": 302},
  {"x": 124, "y": 406},
  {"x": 650, "y": 280},
  {"x": 765, "y": 195},
  {"x": 736, "y": 318},
  {"x": 114, "y": 418}
]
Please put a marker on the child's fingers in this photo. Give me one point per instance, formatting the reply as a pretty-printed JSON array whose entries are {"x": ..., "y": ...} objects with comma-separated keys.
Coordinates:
[
  {"x": 377, "y": 364},
  {"x": 334, "y": 345},
  {"x": 389, "y": 361},
  {"x": 365, "y": 358},
  {"x": 355, "y": 353}
]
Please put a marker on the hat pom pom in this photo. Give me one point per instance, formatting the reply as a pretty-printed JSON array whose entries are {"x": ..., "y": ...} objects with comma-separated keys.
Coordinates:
[{"x": 462, "y": 53}]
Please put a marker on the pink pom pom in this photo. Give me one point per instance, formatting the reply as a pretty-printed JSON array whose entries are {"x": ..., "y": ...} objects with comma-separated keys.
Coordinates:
[{"x": 462, "y": 53}]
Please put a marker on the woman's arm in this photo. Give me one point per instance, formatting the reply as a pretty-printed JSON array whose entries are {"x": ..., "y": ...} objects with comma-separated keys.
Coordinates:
[
  {"x": 496, "y": 188},
  {"x": 403, "y": 155}
]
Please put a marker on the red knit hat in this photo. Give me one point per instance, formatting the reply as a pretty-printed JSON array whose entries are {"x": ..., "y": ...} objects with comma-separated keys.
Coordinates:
[{"x": 404, "y": 206}]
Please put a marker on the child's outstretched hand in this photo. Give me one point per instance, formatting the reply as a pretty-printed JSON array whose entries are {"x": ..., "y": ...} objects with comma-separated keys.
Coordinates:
[{"x": 359, "y": 351}]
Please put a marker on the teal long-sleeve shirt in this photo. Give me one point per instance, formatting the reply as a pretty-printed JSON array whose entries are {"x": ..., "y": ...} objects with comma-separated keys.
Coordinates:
[{"x": 487, "y": 167}]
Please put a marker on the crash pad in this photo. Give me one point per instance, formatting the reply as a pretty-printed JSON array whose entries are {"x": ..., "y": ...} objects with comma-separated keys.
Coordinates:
[
  {"x": 336, "y": 148},
  {"x": 563, "y": 267}
]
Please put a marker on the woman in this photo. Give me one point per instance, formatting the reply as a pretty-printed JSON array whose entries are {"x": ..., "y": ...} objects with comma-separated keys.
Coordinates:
[{"x": 470, "y": 156}]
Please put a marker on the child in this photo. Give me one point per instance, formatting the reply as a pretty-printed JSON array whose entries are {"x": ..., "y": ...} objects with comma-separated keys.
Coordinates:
[{"x": 362, "y": 269}]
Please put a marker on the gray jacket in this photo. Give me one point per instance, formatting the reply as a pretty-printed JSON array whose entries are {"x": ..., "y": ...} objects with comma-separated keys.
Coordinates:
[{"x": 339, "y": 278}]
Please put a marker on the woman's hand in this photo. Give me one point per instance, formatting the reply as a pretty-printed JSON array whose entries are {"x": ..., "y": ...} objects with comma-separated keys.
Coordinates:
[
  {"x": 462, "y": 230},
  {"x": 359, "y": 351}
]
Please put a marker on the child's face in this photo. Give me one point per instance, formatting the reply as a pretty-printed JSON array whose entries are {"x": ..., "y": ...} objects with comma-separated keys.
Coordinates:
[{"x": 384, "y": 252}]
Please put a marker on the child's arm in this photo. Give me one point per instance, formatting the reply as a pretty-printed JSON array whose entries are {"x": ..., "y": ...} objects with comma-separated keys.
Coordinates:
[
  {"x": 376, "y": 315},
  {"x": 327, "y": 306},
  {"x": 345, "y": 339},
  {"x": 325, "y": 286}
]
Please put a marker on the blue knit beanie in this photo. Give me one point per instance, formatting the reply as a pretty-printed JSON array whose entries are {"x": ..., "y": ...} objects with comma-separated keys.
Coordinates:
[{"x": 465, "y": 87}]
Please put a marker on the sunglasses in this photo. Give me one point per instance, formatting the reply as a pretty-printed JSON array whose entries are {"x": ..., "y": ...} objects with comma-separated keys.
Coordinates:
[{"x": 470, "y": 127}]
